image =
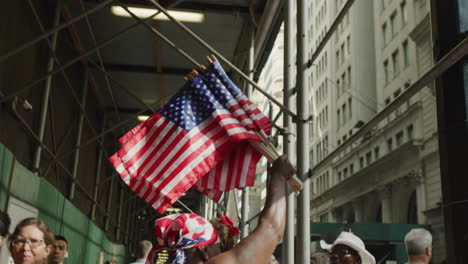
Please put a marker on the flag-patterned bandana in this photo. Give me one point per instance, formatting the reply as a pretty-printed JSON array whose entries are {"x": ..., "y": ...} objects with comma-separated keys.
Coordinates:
[{"x": 177, "y": 232}]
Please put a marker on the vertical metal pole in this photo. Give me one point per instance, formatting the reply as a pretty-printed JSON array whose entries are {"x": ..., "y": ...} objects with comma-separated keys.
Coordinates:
[
  {"x": 78, "y": 136},
  {"x": 133, "y": 228},
  {"x": 129, "y": 213},
  {"x": 119, "y": 218},
  {"x": 109, "y": 202},
  {"x": 98, "y": 172},
  {"x": 288, "y": 146},
  {"x": 48, "y": 85},
  {"x": 245, "y": 191},
  {"x": 303, "y": 166}
]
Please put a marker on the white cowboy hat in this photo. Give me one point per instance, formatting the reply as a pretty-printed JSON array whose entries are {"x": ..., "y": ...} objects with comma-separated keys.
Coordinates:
[{"x": 351, "y": 240}]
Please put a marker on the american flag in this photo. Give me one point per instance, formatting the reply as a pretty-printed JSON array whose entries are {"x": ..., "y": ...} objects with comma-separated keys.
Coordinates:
[{"x": 198, "y": 138}]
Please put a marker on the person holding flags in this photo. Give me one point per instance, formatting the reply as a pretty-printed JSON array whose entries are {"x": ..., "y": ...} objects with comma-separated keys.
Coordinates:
[{"x": 178, "y": 232}]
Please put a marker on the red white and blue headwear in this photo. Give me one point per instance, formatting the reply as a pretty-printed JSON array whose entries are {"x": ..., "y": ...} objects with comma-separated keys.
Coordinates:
[{"x": 177, "y": 232}]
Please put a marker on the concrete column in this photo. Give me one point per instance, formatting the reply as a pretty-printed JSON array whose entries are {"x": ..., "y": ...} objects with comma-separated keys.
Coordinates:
[
  {"x": 358, "y": 210},
  {"x": 385, "y": 194},
  {"x": 417, "y": 181}
]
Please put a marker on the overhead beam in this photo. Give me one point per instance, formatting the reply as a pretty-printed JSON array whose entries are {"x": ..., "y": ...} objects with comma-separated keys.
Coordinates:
[
  {"x": 190, "y": 5},
  {"x": 111, "y": 67}
]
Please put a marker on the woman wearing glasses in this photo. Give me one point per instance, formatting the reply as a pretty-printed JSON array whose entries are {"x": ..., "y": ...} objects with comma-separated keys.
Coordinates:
[{"x": 31, "y": 242}]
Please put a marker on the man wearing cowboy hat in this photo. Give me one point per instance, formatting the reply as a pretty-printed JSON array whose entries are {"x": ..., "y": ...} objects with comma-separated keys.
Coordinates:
[
  {"x": 349, "y": 249},
  {"x": 418, "y": 244}
]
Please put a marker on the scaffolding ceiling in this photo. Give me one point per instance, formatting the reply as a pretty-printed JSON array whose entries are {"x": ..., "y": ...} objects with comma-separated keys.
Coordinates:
[{"x": 142, "y": 63}]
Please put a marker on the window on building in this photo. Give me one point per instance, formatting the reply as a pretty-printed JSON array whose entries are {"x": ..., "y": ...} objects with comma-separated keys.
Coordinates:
[
  {"x": 345, "y": 172},
  {"x": 383, "y": 4},
  {"x": 399, "y": 138},
  {"x": 409, "y": 131},
  {"x": 350, "y": 108},
  {"x": 387, "y": 101},
  {"x": 348, "y": 45},
  {"x": 385, "y": 68},
  {"x": 384, "y": 34},
  {"x": 339, "y": 176},
  {"x": 344, "y": 111},
  {"x": 337, "y": 59},
  {"x": 339, "y": 142},
  {"x": 351, "y": 169},
  {"x": 396, "y": 93},
  {"x": 368, "y": 158},
  {"x": 338, "y": 114},
  {"x": 376, "y": 152},
  {"x": 325, "y": 145},
  {"x": 326, "y": 115},
  {"x": 342, "y": 52},
  {"x": 393, "y": 26},
  {"x": 349, "y": 77},
  {"x": 390, "y": 144},
  {"x": 405, "y": 53},
  {"x": 361, "y": 162},
  {"x": 404, "y": 14},
  {"x": 343, "y": 81},
  {"x": 396, "y": 63}
]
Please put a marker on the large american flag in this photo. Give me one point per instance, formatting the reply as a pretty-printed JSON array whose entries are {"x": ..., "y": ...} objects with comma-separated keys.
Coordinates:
[{"x": 199, "y": 138}]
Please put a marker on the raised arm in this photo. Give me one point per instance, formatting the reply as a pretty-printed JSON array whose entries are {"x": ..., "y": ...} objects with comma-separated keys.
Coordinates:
[{"x": 260, "y": 244}]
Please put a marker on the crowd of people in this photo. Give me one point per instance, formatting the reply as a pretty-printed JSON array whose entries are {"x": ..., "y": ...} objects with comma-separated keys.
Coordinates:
[{"x": 188, "y": 238}]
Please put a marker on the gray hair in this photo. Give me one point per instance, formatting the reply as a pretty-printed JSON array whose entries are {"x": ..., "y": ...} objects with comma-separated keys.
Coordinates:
[
  {"x": 417, "y": 240},
  {"x": 143, "y": 248}
]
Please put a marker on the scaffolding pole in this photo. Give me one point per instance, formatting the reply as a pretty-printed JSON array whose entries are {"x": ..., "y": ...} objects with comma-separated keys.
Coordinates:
[
  {"x": 48, "y": 85},
  {"x": 245, "y": 191},
  {"x": 303, "y": 166},
  {"x": 78, "y": 135},
  {"x": 288, "y": 146}
]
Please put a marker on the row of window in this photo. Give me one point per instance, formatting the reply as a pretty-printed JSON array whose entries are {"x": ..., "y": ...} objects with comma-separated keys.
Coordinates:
[
  {"x": 345, "y": 113},
  {"x": 321, "y": 15},
  {"x": 341, "y": 27},
  {"x": 321, "y": 93},
  {"x": 389, "y": 34},
  {"x": 343, "y": 52},
  {"x": 322, "y": 118},
  {"x": 345, "y": 137},
  {"x": 395, "y": 62},
  {"x": 343, "y": 83},
  {"x": 322, "y": 149},
  {"x": 321, "y": 65},
  {"x": 399, "y": 138},
  {"x": 322, "y": 182},
  {"x": 373, "y": 155}
]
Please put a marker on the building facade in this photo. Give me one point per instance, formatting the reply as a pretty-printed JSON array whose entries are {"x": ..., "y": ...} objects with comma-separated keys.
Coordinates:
[{"x": 392, "y": 174}]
